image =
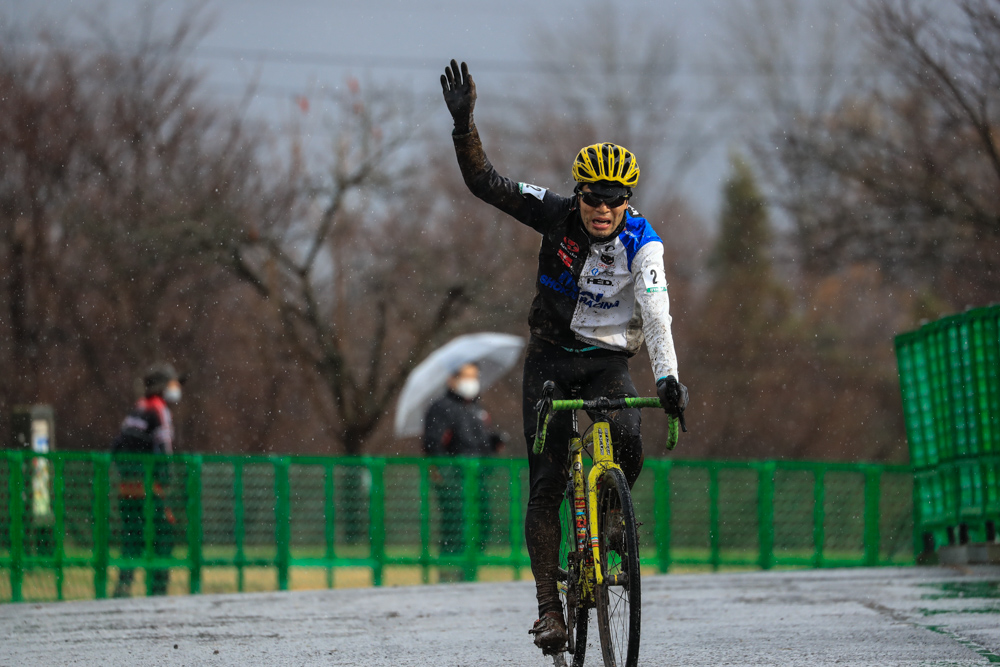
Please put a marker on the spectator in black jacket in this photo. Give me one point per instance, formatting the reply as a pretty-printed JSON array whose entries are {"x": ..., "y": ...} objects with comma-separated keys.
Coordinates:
[{"x": 457, "y": 425}]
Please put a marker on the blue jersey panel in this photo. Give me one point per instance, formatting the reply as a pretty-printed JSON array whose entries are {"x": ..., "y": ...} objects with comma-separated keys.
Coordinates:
[{"x": 636, "y": 234}]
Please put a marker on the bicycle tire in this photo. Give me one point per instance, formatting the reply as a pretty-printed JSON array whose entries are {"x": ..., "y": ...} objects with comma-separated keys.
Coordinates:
[
  {"x": 577, "y": 615},
  {"x": 619, "y": 596}
]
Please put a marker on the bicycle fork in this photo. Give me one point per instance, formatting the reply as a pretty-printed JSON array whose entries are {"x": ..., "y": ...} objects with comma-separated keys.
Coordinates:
[{"x": 603, "y": 461}]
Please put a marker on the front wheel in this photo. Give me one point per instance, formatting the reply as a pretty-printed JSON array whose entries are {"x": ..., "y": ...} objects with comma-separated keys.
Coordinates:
[{"x": 619, "y": 597}]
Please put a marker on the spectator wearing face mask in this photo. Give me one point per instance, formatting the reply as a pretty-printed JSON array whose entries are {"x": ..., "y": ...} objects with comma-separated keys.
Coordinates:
[
  {"x": 457, "y": 425},
  {"x": 147, "y": 429}
]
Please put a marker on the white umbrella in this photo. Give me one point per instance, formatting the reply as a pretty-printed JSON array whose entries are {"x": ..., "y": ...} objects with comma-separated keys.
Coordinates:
[{"x": 494, "y": 353}]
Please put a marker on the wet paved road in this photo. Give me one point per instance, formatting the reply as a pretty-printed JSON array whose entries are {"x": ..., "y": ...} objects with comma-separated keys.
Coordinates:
[{"x": 897, "y": 616}]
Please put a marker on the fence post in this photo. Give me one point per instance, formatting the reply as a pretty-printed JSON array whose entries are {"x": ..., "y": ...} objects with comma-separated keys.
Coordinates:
[
  {"x": 819, "y": 515},
  {"x": 661, "y": 513},
  {"x": 59, "y": 515},
  {"x": 516, "y": 523},
  {"x": 873, "y": 475},
  {"x": 470, "y": 529},
  {"x": 194, "y": 516},
  {"x": 425, "y": 522},
  {"x": 16, "y": 463},
  {"x": 239, "y": 524},
  {"x": 282, "y": 520},
  {"x": 148, "y": 513},
  {"x": 102, "y": 523},
  {"x": 330, "y": 529},
  {"x": 765, "y": 514},
  {"x": 376, "y": 518},
  {"x": 713, "y": 516}
]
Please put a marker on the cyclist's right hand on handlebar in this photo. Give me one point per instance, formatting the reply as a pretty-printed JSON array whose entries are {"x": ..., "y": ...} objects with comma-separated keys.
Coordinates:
[
  {"x": 673, "y": 395},
  {"x": 459, "y": 94}
]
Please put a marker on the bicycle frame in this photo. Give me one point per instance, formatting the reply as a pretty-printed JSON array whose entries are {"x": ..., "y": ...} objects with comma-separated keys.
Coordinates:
[
  {"x": 599, "y": 440},
  {"x": 587, "y": 583}
]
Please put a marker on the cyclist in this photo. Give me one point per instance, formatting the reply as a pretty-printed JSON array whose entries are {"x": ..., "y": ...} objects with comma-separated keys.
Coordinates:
[{"x": 600, "y": 290}]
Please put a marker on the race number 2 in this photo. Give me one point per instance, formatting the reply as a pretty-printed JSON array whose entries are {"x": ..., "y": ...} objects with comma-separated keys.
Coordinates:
[
  {"x": 533, "y": 190},
  {"x": 655, "y": 281}
]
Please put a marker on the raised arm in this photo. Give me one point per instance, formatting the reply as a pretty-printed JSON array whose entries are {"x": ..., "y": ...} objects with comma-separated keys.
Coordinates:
[{"x": 530, "y": 204}]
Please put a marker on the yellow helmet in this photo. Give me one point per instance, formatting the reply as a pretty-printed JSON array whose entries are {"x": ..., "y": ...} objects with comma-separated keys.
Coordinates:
[{"x": 606, "y": 162}]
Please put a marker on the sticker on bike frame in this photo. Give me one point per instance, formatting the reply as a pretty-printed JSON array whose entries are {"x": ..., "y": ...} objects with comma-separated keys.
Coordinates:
[
  {"x": 533, "y": 190},
  {"x": 655, "y": 289},
  {"x": 603, "y": 441}
]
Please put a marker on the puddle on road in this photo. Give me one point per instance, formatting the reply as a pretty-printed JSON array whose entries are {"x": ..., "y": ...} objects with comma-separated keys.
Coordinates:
[
  {"x": 964, "y": 589},
  {"x": 977, "y": 610},
  {"x": 972, "y": 591}
]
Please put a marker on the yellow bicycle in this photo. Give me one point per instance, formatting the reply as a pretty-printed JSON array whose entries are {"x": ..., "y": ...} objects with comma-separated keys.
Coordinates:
[{"x": 600, "y": 539}]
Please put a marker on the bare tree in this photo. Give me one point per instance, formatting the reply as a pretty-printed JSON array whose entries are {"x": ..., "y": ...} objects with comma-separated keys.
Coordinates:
[
  {"x": 902, "y": 170},
  {"x": 622, "y": 87},
  {"x": 778, "y": 381},
  {"x": 119, "y": 187},
  {"x": 361, "y": 274}
]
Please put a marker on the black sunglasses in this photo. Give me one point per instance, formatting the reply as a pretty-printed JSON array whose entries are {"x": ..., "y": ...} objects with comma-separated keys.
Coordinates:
[{"x": 595, "y": 200}]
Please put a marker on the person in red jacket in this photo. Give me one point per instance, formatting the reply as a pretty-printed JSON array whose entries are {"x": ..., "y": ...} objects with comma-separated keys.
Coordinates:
[{"x": 147, "y": 429}]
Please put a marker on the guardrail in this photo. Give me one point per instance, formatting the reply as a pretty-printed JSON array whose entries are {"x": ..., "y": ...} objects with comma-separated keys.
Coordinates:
[{"x": 267, "y": 523}]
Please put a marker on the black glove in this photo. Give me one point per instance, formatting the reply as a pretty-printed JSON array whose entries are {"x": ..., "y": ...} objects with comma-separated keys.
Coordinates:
[
  {"x": 459, "y": 95},
  {"x": 673, "y": 395}
]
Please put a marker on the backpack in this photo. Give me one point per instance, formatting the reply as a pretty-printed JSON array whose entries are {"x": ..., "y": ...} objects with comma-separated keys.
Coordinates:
[{"x": 136, "y": 437}]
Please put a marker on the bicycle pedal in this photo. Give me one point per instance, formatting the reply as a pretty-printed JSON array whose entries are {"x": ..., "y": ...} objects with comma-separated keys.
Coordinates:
[{"x": 556, "y": 653}]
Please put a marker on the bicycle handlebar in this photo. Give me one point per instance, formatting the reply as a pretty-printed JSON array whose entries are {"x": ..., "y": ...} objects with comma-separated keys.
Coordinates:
[
  {"x": 604, "y": 403},
  {"x": 547, "y": 406}
]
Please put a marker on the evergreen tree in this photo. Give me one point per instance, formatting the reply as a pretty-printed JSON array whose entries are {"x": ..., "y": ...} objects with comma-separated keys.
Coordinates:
[
  {"x": 745, "y": 312},
  {"x": 744, "y": 228}
]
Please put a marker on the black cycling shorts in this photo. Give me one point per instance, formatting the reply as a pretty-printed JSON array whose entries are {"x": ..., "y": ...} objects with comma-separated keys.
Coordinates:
[{"x": 576, "y": 375}]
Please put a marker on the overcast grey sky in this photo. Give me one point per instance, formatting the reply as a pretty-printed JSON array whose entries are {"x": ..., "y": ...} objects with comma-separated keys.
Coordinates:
[{"x": 293, "y": 47}]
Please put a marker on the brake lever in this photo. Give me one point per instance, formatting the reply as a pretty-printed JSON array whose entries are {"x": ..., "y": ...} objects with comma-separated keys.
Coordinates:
[{"x": 544, "y": 409}]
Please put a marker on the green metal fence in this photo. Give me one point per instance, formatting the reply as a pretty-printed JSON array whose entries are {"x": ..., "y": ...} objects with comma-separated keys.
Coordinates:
[
  {"x": 267, "y": 523},
  {"x": 950, "y": 381}
]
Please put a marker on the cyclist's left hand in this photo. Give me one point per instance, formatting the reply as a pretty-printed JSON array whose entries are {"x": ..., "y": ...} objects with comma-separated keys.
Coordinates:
[
  {"x": 459, "y": 94},
  {"x": 673, "y": 395}
]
